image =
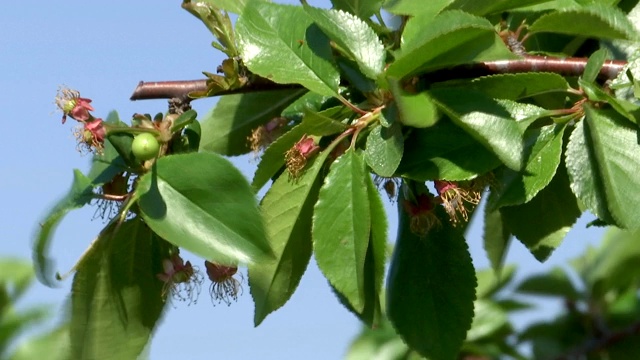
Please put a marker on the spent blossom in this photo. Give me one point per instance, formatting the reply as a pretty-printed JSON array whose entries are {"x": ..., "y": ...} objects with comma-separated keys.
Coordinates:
[
  {"x": 183, "y": 280},
  {"x": 421, "y": 214},
  {"x": 457, "y": 199},
  {"x": 297, "y": 156},
  {"x": 224, "y": 287}
]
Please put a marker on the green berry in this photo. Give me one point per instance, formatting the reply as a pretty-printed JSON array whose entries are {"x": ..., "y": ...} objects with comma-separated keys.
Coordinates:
[{"x": 145, "y": 146}]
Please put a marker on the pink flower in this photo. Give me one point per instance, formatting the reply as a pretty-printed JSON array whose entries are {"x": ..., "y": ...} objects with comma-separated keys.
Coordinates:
[
  {"x": 74, "y": 106},
  {"x": 457, "y": 200},
  {"x": 80, "y": 111}
]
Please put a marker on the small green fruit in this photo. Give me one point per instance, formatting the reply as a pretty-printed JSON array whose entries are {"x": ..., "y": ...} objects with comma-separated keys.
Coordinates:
[{"x": 145, "y": 146}]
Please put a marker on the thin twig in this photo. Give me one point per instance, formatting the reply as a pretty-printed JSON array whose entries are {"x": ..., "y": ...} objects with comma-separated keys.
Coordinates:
[{"x": 599, "y": 344}]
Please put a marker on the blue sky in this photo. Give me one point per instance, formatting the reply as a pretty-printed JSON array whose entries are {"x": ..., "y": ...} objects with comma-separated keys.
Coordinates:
[{"x": 102, "y": 49}]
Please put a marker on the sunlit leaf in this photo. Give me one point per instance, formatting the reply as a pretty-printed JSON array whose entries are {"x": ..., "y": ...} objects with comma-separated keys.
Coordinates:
[
  {"x": 341, "y": 227},
  {"x": 287, "y": 209},
  {"x": 602, "y": 159},
  {"x": 543, "y": 151},
  {"x": 272, "y": 35},
  {"x": 354, "y": 36},
  {"x": 202, "y": 203},
  {"x": 593, "y": 20}
]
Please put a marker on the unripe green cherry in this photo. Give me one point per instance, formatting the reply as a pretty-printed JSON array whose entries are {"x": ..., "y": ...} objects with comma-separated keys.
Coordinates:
[{"x": 145, "y": 146}]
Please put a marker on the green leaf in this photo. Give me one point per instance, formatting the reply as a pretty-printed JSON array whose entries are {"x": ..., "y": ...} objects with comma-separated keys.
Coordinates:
[
  {"x": 287, "y": 208},
  {"x": 488, "y": 121},
  {"x": 273, "y": 159},
  {"x": 201, "y": 202},
  {"x": 270, "y": 35},
  {"x": 227, "y": 126},
  {"x": 415, "y": 9},
  {"x": 625, "y": 108},
  {"x": 116, "y": 298},
  {"x": 602, "y": 159},
  {"x": 593, "y": 20},
  {"x": 485, "y": 7},
  {"x": 80, "y": 194},
  {"x": 384, "y": 150},
  {"x": 415, "y": 109},
  {"x": 341, "y": 227},
  {"x": 376, "y": 257},
  {"x": 442, "y": 152},
  {"x": 554, "y": 209},
  {"x": 496, "y": 238},
  {"x": 234, "y": 6},
  {"x": 594, "y": 64},
  {"x": 555, "y": 282},
  {"x": 421, "y": 13},
  {"x": 362, "y": 8},
  {"x": 53, "y": 345},
  {"x": 451, "y": 38},
  {"x": 543, "y": 150},
  {"x": 613, "y": 266},
  {"x": 353, "y": 36},
  {"x": 431, "y": 288},
  {"x": 17, "y": 274},
  {"x": 490, "y": 282},
  {"x": 518, "y": 86},
  {"x": 488, "y": 319}
]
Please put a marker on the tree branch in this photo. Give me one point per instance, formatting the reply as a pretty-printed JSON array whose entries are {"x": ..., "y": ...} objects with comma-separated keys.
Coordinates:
[
  {"x": 564, "y": 67},
  {"x": 599, "y": 344}
]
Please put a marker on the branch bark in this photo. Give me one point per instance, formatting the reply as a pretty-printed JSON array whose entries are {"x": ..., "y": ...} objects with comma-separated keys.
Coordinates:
[{"x": 564, "y": 67}]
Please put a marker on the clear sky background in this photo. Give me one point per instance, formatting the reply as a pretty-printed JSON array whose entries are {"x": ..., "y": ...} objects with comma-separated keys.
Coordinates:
[{"x": 103, "y": 49}]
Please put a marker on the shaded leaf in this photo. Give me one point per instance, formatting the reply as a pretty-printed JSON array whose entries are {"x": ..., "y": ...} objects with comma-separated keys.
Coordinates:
[
  {"x": 227, "y": 126},
  {"x": 442, "y": 152},
  {"x": 555, "y": 282},
  {"x": 269, "y": 36},
  {"x": 53, "y": 345},
  {"x": 496, "y": 238},
  {"x": 116, "y": 297},
  {"x": 80, "y": 194},
  {"x": 353, "y": 36},
  {"x": 431, "y": 288},
  {"x": 487, "y": 320},
  {"x": 519, "y": 86},
  {"x": 202, "y": 203},
  {"x": 489, "y": 122},
  {"x": 542, "y": 223}
]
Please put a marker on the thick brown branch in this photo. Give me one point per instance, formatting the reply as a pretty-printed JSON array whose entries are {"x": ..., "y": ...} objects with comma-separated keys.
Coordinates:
[
  {"x": 167, "y": 89},
  {"x": 564, "y": 67},
  {"x": 560, "y": 66},
  {"x": 180, "y": 89}
]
